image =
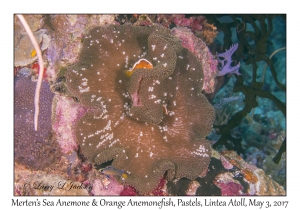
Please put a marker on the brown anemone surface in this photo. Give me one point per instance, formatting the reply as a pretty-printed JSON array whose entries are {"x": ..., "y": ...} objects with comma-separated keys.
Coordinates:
[{"x": 152, "y": 121}]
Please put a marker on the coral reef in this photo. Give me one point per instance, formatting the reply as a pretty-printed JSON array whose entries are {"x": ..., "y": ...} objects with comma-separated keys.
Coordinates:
[
  {"x": 130, "y": 110},
  {"x": 198, "y": 24},
  {"x": 25, "y": 53},
  {"x": 259, "y": 183},
  {"x": 228, "y": 175},
  {"x": 35, "y": 149},
  {"x": 254, "y": 34},
  {"x": 139, "y": 105},
  {"x": 263, "y": 140},
  {"x": 228, "y": 185}
]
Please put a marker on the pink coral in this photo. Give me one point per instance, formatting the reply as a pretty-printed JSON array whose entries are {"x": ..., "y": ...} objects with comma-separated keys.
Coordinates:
[
  {"x": 197, "y": 23},
  {"x": 194, "y": 23},
  {"x": 128, "y": 191},
  {"x": 226, "y": 163},
  {"x": 201, "y": 51},
  {"x": 180, "y": 20},
  {"x": 228, "y": 184},
  {"x": 161, "y": 188},
  {"x": 107, "y": 187},
  {"x": 67, "y": 114},
  {"x": 231, "y": 188},
  {"x": 86, "y": 167}
]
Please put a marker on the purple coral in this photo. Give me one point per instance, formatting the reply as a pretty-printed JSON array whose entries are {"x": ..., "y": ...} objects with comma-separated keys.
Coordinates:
[
  {"x": 225, "y": 61},
  {"x": 35, "y": 149}
]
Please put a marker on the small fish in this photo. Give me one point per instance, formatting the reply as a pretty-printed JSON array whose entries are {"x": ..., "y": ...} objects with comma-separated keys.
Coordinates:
[
  {"x": 140, "y": 64},
  {"x": 109, "y": 170}
]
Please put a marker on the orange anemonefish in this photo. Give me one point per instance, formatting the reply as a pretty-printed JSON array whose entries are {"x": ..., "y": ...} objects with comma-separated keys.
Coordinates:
[{"x": 140, "y": 64}]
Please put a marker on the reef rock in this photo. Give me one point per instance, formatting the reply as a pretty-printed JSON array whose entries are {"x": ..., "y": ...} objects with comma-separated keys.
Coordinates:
[
  {"x": 24, "y": 51},
  {"x": 64, "y": 119},
  {"x": 254, "y": 179},
  {"x": 106, "y": 187},
  {"x": 146, "y": 112}
]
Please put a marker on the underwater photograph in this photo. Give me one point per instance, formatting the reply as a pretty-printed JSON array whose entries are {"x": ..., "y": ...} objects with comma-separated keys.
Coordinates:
[{"x": 149, "y": 104}]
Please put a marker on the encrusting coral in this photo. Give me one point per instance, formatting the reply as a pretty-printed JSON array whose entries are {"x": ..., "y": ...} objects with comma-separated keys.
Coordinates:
[
  {"x": 202, "y": 52},
  {"x": 66, "y": 114},
  {"x": 146, "y": 111},
  {"x": 34, "y": 149}
]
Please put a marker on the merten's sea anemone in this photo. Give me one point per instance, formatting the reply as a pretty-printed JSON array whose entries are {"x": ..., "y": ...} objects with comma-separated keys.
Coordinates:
[{"x": 146, "y": 111}]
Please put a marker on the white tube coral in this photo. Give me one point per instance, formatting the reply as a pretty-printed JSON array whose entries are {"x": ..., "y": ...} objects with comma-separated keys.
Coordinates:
[{"x": 41, "y": 65}]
